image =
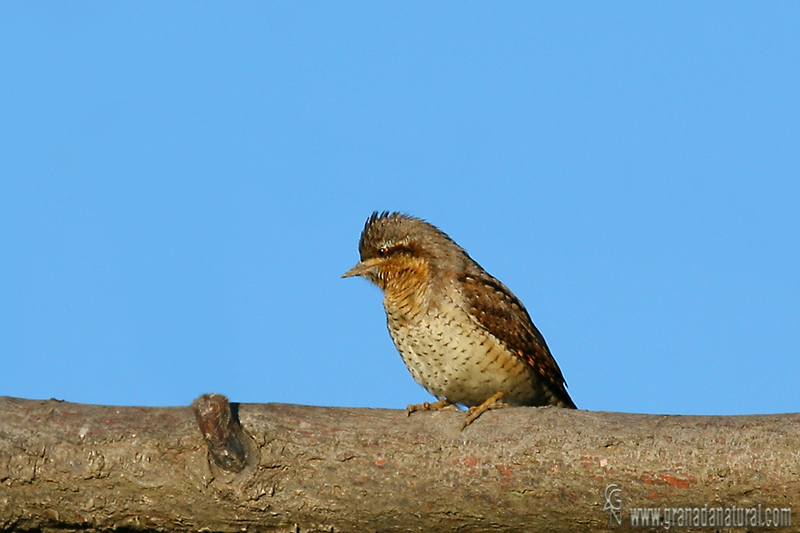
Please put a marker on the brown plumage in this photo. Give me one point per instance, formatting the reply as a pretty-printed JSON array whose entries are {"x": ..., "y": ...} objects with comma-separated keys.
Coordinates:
[{"x": 462, "y": 334}]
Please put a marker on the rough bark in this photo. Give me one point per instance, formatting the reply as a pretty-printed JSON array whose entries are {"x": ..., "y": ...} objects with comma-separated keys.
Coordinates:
[{"x": 70, "y": 467}]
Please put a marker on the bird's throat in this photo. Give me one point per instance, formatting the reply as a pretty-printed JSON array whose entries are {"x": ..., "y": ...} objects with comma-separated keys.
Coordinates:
[{"x": 406, "y": 288}]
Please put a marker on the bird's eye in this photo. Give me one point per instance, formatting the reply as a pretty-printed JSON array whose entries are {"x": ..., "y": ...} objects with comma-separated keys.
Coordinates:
[{"x": 381, "y": 251}]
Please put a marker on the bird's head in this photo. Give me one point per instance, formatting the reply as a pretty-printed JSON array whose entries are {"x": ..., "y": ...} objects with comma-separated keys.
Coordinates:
[{"x": 400, "y": 251}]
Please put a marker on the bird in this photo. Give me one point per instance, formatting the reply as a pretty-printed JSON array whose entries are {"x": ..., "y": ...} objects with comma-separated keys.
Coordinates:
[{"x": 461, "y": 333}]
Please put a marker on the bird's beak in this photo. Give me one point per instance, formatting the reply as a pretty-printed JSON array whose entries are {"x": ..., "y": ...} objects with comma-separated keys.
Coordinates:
[{"x": 361, "y": 269}]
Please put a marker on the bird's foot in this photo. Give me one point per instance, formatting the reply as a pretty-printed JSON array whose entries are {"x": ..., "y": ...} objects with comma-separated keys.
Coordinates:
[
  {"x": 477, "y": 410},
  {"x": 441, "y": 405}
]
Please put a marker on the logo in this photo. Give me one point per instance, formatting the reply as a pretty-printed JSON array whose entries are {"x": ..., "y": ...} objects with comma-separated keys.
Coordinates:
[{"x": 613, "y": 505}]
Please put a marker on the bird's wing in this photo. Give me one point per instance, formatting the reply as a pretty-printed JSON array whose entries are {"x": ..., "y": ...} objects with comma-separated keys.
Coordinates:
[{"x": 501, "y": 313}]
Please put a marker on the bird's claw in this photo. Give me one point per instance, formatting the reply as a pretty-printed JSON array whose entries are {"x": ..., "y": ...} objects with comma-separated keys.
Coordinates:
[
  {"x": 477, "y": 410},
  {"x": 441, "y": 405}
]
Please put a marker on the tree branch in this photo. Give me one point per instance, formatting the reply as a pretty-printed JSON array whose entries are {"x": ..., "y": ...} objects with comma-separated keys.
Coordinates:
[{"x": 71, "y": 467}]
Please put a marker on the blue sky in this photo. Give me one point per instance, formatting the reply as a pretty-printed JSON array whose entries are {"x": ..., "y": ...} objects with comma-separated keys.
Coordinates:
[{"x": 183, "y": 184}]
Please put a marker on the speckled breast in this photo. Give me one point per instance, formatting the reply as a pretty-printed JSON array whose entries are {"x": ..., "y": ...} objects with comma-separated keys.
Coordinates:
[{"x": 457, "y": 360}]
